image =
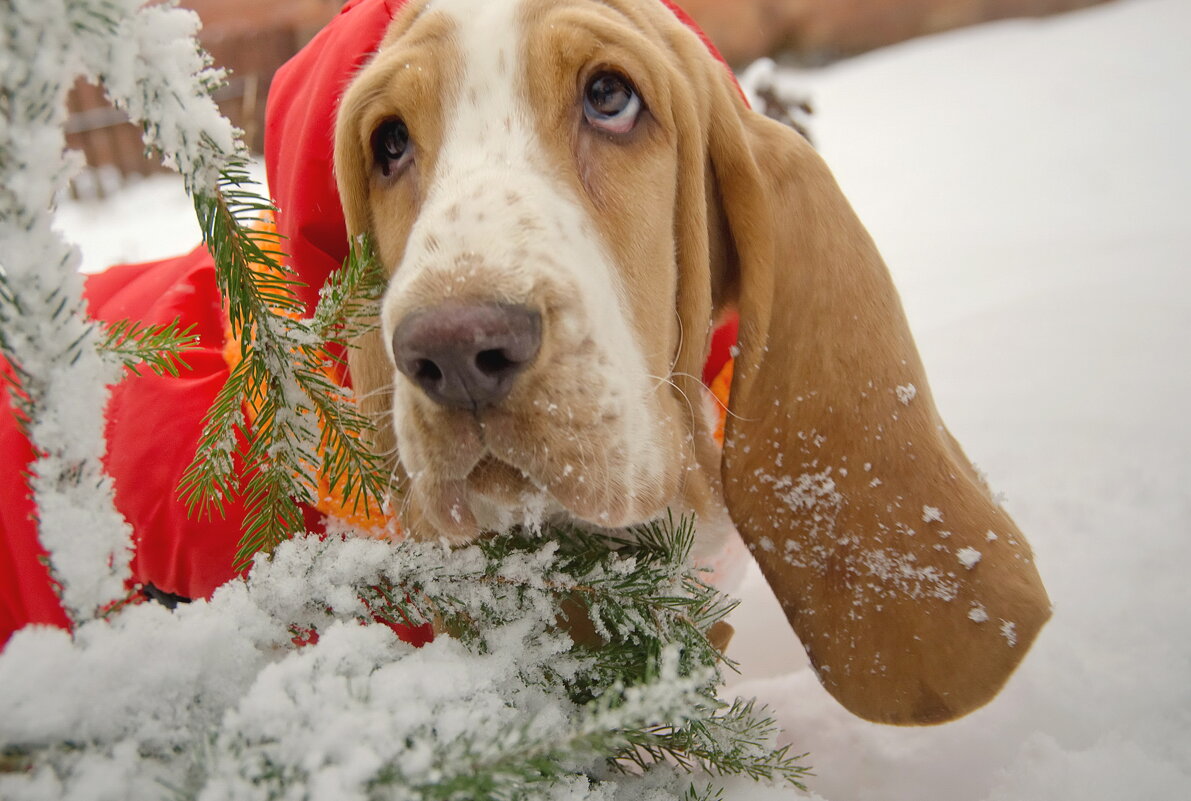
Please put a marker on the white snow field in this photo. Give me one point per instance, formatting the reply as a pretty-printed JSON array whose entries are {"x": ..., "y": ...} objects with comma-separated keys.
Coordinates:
[{"x": 1028, "y": 185}]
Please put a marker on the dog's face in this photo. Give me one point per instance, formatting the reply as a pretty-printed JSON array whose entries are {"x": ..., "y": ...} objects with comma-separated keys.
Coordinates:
[
  {"x": 521, "y": 156},
  {"x": 566, "y": 195}
]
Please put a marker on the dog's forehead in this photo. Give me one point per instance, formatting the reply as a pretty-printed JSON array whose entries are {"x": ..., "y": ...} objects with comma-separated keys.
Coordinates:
[
  {"x": 487, "y": 34},
  {"x": 487, "y": 120},
  {"x": 495, "y": 187},
  {"x": 490, "y": 33},
  {"x": 485, "y": 26}
]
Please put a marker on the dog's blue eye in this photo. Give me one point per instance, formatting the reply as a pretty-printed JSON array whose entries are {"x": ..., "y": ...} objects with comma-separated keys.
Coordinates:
[
  {"x": 390, "y": 145},
  {"x": 611, "y": 104}
]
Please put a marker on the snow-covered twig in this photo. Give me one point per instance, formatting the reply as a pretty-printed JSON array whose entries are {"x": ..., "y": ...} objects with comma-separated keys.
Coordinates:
[
  {"x": 228, "y": 707},
  {"x": 45, "y": 333},
  {"x": 151, "y": 66}
]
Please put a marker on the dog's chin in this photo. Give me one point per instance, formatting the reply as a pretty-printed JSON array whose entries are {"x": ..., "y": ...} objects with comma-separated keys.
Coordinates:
[{"x": 497, "y": 496}]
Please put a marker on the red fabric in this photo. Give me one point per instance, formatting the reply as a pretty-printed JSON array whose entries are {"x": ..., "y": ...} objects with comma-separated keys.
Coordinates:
[
  {"x": 176, "y": 553},
  {"x": 154, "y": 422},
  {"x": 299, "y": 138},
  {"x": 26, "y": 595},
  {"x": 723, "y": 339}
]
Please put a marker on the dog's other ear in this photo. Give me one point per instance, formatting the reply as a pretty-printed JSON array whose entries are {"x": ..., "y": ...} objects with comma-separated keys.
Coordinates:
[
  {"x": 912, "y": 591},
  {"x": 352, "y": 168},
  {"x": 369, "y": 365}
]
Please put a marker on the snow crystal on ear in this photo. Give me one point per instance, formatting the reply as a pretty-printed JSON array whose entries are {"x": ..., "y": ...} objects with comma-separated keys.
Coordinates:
[
  {"x": 968, "y": 557},
  {"x": 901, "y": 574},
  {"x": 906, "y": 393}
]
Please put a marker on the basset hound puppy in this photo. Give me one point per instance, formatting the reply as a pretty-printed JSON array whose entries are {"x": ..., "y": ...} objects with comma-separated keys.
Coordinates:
[{"x": 567, "y": 195}]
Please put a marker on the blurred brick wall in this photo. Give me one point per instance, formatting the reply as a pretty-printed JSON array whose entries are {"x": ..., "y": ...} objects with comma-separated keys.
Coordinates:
[
  {"x": 249, "y": 38},
  {"x": 237, "y": 17},
  {"x": 816, "y": 31}
]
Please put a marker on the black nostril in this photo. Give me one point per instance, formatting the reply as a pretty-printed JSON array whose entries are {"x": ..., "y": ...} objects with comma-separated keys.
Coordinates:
[
  {"x": 426, "y": 370},
  {"x": 494, "y": 361},
  {"x": 467, "y": 356}
]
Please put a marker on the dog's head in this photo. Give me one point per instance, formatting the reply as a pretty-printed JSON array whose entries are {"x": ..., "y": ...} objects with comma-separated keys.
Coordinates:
[{"x": 567, "y": 195}]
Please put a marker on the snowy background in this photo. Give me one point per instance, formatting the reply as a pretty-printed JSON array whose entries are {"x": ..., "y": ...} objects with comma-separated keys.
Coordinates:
[{"x": 1030, "y": 186}]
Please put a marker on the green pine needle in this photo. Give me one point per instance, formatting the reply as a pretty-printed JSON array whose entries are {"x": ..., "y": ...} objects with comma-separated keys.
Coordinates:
[
  {"x": 212, "y": 477},
  {"x": 349, "y": 302},
  {"x": 159, "y": 348}
]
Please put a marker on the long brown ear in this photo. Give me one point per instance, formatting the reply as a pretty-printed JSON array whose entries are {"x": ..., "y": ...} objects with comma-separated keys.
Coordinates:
[
  {"x": 912, "y": 591},
  {"x": 369, "y": 365}
]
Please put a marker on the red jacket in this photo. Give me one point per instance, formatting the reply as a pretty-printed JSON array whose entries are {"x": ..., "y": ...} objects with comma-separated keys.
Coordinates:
[{"x": 153, "y": 422}]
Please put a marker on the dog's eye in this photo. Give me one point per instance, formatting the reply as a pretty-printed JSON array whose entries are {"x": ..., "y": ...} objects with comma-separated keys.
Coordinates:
[
  {"x": 390, "y": 145},
  {"x": 611, "y": 104}
]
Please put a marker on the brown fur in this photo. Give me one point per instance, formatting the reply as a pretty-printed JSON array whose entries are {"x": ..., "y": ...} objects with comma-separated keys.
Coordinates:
[{"x": 829, "y": 474}]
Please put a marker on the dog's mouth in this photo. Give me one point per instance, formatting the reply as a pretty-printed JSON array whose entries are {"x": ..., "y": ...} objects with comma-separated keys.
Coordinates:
[
  {"x": 501, "y": 474},
  {"x": 493, "y": 496},
  {"x": 502, "y": 495}
]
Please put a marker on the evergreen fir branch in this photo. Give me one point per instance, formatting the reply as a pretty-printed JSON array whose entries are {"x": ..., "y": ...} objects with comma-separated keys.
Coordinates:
[
  {"x": 258, "y": 292},
  {"x": 271, "y": 516},
  {"x": 248, "y": 266},
  {"x": 212, "y": 478},
  {"x": 260, "y": 302},
  {"x": 347, "y": 308},
  {"x": 286, "y": 375},
  {"x": 280, "y": 459},
  {"x": 507, "y": 725},
  {"x": 156, "y": 347},
  {"x": 708, "y": 793},
  {"x": 652, "y": 603},
  {"x": 47, "y": 336},
  {"x": 629, "y": 589},
  {"x": 349, "y": 304},
  {"x": 533, "y": 755},
  {"x": 348, "y": 464},
  {"x": 735, "y": 742},
  {"x": 14, "y": 383}
]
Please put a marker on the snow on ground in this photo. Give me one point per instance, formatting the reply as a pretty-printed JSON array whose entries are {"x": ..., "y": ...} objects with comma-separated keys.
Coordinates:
[
  {"x": 150, "y": 218},
  {"x": 1028, "y": 184}
]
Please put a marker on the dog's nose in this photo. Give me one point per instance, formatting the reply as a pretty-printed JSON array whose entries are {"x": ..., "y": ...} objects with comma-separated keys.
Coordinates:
[{"x": 467, "y": 356}]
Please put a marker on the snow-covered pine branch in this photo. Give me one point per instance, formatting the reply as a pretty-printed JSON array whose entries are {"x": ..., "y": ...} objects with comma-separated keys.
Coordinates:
[
  {"x": 44, "y": 330},
  {"x": 306, "y": 426},
  {"x": 226, "y": 707},
  {"x": 151, "y": 66}
]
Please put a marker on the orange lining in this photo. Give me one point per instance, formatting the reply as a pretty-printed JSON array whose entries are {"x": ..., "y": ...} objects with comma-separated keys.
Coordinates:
[{"x": 330, "y": 501}]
